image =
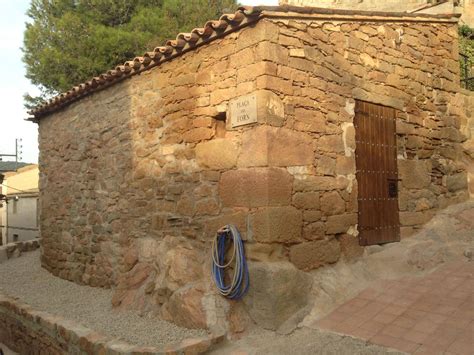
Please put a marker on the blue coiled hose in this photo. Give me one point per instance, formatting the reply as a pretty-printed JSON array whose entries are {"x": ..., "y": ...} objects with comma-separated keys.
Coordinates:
[{"x": 240, "y": 278}]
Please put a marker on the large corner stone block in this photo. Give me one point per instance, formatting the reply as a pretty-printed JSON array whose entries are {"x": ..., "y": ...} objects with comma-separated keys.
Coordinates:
[
  {"x": 256, "y": 187},
  {"x": 272, "y": 146},
  {"x": 217, "y": 154},
  {"x": 277, "y": 291},
  {"x": 277, "y": 225}
]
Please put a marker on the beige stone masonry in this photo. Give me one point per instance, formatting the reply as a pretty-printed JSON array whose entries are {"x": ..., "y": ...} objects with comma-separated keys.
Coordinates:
[
  {"x": 277, "y": 225},
  {"x": 217, "y": 154},
  {"x": 255, "y": 187},
  {"x": 135, "y": 180},
  {"x": 270, "y": 146}
]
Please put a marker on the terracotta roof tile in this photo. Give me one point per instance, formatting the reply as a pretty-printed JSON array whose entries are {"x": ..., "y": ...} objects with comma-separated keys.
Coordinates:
[{"x": 227, "y": 23}]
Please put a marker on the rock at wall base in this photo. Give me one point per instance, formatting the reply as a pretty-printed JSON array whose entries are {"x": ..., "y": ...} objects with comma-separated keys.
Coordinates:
[
  {"x": 185, "y": 307},
  {"x": 277, "y": 291}
]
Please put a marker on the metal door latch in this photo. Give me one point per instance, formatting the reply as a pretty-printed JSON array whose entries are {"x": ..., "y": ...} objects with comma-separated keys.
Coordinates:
[{"x": 392, "y": 188}]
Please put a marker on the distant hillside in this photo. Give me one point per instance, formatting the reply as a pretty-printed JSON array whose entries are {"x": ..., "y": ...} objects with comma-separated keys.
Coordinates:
[{"x": 10, "y": 165}]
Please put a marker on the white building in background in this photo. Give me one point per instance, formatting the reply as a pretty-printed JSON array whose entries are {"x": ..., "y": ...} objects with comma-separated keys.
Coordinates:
[{"x": 19, "y": 216}]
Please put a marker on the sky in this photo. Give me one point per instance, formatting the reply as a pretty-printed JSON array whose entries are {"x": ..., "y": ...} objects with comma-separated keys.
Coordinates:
[{"x": 13, "y": 83}]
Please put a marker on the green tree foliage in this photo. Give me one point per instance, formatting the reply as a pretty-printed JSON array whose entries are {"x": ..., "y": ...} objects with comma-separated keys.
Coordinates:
[
  {"x": 67, "y": 42},
  {"x": 466, "y": 47}
]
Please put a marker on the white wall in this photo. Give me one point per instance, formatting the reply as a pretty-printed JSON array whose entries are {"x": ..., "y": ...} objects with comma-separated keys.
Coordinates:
[
  {"x": 22, "y": 214},
  {"x": 2, "y": 220},
  {"x": 22, "y": 219}
]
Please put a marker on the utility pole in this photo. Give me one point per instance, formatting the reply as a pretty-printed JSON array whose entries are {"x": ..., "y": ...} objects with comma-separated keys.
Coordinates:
[
  {"x": 18, "y": 152},
  {"x": 3, "y": 198},
  {"x": 17, "y": 156}
]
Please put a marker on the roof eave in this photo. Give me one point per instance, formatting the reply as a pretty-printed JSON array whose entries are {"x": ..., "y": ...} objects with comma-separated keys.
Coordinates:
[{"x": 212, "y": 30}]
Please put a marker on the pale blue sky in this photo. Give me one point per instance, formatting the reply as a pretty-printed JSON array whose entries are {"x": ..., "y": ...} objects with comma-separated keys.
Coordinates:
[{"x": 13, "y": 83}]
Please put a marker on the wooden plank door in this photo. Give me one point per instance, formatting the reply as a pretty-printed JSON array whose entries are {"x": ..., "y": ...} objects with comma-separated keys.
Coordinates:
[{"x": 377, "y": 174}]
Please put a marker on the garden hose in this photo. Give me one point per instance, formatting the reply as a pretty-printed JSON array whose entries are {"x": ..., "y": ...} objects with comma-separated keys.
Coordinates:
[{"x": 240, "y": 277}]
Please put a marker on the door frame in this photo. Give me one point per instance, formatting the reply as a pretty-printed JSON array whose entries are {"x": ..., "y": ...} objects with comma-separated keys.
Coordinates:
[{"x": 376, "y": 173}]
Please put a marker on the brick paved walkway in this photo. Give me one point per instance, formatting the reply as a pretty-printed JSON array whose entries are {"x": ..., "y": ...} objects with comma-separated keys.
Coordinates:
[{"x": 433, "y": 314}]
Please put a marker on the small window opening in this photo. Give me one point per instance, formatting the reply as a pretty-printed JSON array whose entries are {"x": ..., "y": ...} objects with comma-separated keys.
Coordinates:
[
  {"x": 221, "y": 116},
  {"x": 220, "y": 124}
]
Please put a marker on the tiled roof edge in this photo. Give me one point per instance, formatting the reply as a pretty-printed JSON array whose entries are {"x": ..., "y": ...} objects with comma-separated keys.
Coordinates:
[
  {"x": 183, "y": 43},
  {"x": 212, "y": 30}
]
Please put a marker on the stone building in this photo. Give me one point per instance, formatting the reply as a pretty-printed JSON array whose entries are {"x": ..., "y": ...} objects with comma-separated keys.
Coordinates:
[{"x": 298, "y": 125}]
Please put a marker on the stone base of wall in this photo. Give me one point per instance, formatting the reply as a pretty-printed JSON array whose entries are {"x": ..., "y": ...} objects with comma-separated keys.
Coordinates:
[
  {"x": 13, "y": 250},
  {"x": 28, "y": 331}
]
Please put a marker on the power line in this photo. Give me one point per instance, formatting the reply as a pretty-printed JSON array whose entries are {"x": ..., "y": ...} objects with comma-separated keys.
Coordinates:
[{"x": 15, "y": 188}]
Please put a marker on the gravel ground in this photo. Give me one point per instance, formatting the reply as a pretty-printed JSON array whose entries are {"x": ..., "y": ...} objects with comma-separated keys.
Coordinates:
[{"x": 24, "y": 278}]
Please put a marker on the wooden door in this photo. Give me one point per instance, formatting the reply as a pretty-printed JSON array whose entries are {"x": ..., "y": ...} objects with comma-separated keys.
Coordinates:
[{"x": 377, "y": 174}]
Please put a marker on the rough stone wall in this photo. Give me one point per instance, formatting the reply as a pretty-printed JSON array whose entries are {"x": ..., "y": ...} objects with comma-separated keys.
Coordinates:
[
  {"x": 136, "y": 179},
  {"x": 85, "y": 163},
  {"x": 18, "y": 335},
  {"x": 129, "y": 177},
  {"x": 409, "y": 66}
]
